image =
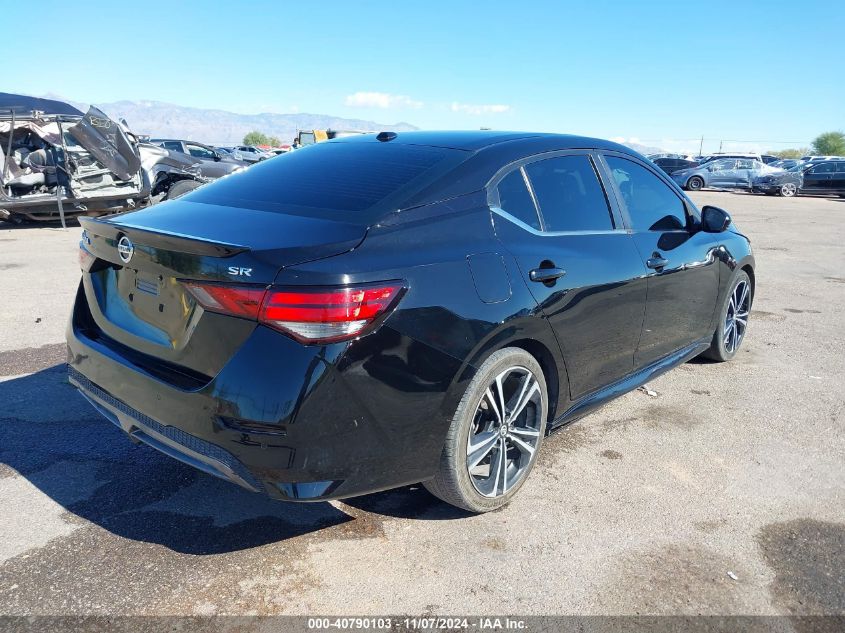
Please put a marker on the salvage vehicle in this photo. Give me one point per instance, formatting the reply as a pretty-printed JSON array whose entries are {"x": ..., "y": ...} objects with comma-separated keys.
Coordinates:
[
  {"x": 723, "y": 173},
  {"x": 382, "y": 310},
  {"x": 823, "y": 177},
  {"x": 56, "y": 162},
  {"x": 212, "y": 163}
]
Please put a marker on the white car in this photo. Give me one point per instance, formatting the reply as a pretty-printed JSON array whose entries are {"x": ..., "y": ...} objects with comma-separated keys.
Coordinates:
[{"x": 252, "y": 154}]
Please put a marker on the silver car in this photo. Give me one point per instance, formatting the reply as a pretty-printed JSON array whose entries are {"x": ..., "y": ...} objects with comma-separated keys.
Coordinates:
[{"x": 722, "y": 172}]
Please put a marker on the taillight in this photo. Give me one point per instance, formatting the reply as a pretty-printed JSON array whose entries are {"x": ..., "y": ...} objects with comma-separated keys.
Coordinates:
[
  {"x": 308, "y": 314},
  {"x": 86, "y": 258},
  {"x": 240, "y": 301}
]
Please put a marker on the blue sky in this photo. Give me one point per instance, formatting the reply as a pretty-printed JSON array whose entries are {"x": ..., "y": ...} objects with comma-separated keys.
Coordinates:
[{"x": 663, "y": 73}]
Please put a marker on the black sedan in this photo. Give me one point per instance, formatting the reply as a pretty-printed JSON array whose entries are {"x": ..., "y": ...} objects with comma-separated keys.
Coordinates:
[
  {"x": 382, "y": 310},
  {"x": 671, "y": 165},
  {"x": 826, "y": 177}
]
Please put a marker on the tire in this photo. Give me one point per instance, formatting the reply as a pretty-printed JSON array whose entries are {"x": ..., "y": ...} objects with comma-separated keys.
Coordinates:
[
  {"x": 788, "y": 190},
  {"x": 695, "y": 183},
  {"x": 733, "y": 322},
  {"x": 180, "y": 188},
  {"x": 477, "y": 418}
]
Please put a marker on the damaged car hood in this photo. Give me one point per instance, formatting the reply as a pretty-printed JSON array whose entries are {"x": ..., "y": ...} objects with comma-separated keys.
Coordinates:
[{"x": 107, "y": 142}]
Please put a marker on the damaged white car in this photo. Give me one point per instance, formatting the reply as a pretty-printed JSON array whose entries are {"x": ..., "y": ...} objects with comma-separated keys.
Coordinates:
[{"x": 57, "y": 162}]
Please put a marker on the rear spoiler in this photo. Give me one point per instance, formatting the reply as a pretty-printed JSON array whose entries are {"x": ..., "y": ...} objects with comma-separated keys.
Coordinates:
[{"x": 111, "y": 229}]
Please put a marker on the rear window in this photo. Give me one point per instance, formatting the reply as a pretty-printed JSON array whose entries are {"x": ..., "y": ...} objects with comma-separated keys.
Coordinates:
[{"x": 333, "y": 179}]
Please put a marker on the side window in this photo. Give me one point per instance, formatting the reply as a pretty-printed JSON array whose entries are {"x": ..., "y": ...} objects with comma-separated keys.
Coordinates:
[
  {"x": 515, "y": 199},
  {"x": 569, "y": 194},
  {"x": 176, "y": 146},
  {"x": 651, "y": 203},
  {"x": 199, "y": 151},
  {"x": 840, "y": 167},
  {"x": 823, "y": 168},
  {"x": 744, "y": 163}
]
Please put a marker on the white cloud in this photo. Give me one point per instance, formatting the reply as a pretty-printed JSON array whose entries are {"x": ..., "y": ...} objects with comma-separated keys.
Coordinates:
[
  {"x": 470, "y": 108},
  {"x": 381, "y": 100}
]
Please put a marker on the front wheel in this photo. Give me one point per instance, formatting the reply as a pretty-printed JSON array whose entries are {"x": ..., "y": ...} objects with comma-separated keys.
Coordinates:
[
  {"x": 788, "y": 189},
  {"x": 497, "y": 429},
  {"x": 181, "y": 187},
  {"x": 695, "y": 183},
  {"x": 733, "y": 320}
]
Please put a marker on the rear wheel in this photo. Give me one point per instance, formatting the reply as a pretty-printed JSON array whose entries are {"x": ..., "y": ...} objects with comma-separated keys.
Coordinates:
[
  {"x": 788, "y": 189},
  {"x": 493, "y": 440},
  {"x": 180, "y": 188},
  {"x": 733, "y": 320},
  {"x": 695, "y": 183}
]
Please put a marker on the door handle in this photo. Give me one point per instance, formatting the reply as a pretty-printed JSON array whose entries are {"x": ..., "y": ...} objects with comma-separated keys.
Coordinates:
[
  {"x": 546, "y": 275},
  {"x": 656, "y": 261}
]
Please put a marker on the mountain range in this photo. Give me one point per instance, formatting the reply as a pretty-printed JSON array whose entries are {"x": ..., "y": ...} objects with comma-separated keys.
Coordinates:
[{"x": 219, "y": 127}]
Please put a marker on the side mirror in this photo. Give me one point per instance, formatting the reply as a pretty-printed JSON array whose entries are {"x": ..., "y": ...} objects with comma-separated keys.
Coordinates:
[{"x": 714, "y": 219}]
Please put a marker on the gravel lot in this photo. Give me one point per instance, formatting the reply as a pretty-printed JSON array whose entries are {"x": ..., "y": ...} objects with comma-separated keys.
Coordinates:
[{"x": 724, "y": 494}]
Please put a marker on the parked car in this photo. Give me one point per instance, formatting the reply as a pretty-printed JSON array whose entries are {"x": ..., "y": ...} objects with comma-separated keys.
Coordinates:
[
  {"x": 786, "y": 163},
  {"x": 671, "y": 165},
  {"x": 212, "y": 163},
  {"x": 724, "y": 172},
  {"x": 818, "y": 159},
  {"x": 427, "y": 312},
  {"x": 822, "y": 177},
  {"x": 56, "y": 162},
  {"x": 719, "y": 155},
  {"x": 252, "y": 154}
]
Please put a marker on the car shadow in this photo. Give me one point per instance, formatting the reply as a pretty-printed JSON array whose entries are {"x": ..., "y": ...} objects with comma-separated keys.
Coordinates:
[
  {"x": 51, "y": 436},
  {"x": 22, "y": 224}
]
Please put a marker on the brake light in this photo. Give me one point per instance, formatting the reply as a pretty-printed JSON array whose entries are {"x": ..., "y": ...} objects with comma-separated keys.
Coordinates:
[
  {"x": 86, "y": 258},
  {"x": 309, "y": 315},
  {"x": 240, "y": 301}
]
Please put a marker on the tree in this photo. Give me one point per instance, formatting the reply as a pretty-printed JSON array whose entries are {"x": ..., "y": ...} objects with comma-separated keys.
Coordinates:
[
  {"x": 274, "y": 141},
  {"x": 256, "y": 138},
  {"x": 791, "y": 153},
  {"x": 830, "y": 144}
]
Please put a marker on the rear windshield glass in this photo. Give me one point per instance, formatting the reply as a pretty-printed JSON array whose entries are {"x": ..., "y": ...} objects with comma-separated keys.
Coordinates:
[{"x": 333, "y": 179}]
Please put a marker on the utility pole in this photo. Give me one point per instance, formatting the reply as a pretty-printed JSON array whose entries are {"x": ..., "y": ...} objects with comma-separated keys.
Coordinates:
[
  {"x": 701, "y": 145},
  {"x": 720, "y": 147}
]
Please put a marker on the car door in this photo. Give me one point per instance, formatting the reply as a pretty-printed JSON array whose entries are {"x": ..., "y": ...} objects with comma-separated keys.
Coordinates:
[
  {"x": 721, "y": 172},
  {"x": 677, "y": 259},
  {"x": 744, "y": 172},
  {"x": 819, "y": 178},
  {"x": 582, "y": 267},
  {"x": 208, "y": 160},
  {"x": 838, "y": 183}
]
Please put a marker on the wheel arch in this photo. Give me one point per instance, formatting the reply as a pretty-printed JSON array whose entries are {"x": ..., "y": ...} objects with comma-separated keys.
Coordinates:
[
  {"x": 533, "y": 336},
  {"x": 748, "y": 268}
]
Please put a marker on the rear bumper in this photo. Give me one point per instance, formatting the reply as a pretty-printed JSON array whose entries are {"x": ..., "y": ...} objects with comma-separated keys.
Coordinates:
[
  {"x": 295, "y": 422},
  {"x": 169, "y": 440},
  {"x": 765, "y": 187}
]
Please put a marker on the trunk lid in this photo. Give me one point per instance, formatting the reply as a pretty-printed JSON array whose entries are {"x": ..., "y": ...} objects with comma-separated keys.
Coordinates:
[{"x": 135, "y": 290}]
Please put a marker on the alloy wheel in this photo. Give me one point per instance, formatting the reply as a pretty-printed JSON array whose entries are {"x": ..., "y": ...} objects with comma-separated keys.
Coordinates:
[
  {"x": 736, "y": 319},
  {"x": 505, "y": 432},
  {"x": 788, "y": 189}
]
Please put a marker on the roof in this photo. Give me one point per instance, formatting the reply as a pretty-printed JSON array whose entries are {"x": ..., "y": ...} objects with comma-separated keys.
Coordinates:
[
  {"x": 477, "y": 140},
  {"x": 23, "y": 105}
]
